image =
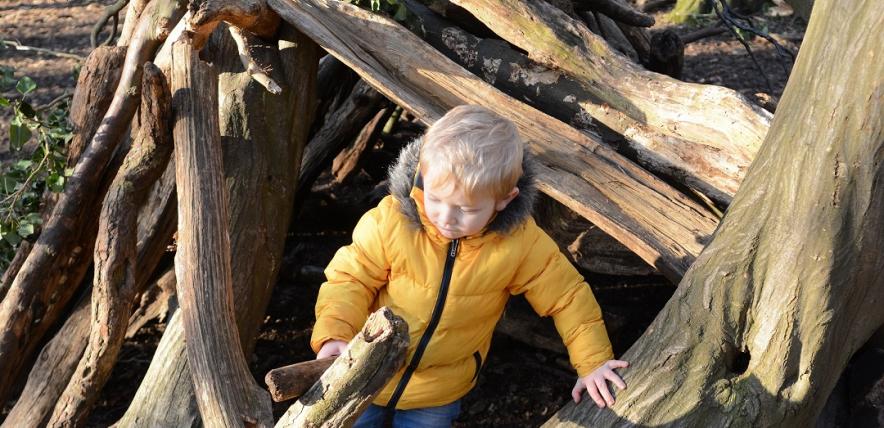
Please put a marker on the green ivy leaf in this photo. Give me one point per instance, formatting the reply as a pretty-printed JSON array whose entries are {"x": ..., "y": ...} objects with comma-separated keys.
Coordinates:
[
  {"x": 12, "y": 238},
  {"x": 25, "y": 229},
  {"x": 55, "y": 182},
  {"x": 25, "y": 85},
  {"x": 4, "y": 102},
  {"x": 18, "y": 134}
]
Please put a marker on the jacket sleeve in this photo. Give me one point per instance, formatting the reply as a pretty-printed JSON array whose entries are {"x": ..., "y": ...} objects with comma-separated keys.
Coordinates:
[
  {"x": 554, "y": 288},
  {"x": 353, "y": 278}
]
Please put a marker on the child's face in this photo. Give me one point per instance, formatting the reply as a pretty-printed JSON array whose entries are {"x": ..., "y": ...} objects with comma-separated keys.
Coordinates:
[{"x": 454, "y": 214}]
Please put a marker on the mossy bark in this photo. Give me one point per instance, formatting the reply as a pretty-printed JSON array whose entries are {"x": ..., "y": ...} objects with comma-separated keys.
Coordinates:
[{"x": 764, "y": 322}]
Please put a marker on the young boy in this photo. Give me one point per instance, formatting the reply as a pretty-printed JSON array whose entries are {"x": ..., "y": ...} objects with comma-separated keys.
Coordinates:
[{"x": 445, "y": 251}]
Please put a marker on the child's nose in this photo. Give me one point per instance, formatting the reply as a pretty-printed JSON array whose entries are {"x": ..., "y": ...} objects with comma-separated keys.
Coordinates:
[{"x": 448, "y": 218}]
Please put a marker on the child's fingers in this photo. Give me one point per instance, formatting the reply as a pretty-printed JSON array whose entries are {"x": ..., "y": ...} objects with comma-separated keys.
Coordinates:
[
  {"x": 603, "y": 389},
  {"x": 618, "y": 364},
  {"x": 616, "y": 380},
  {"x": 594, "y": 394},
  {"x": 575, "y": 392}
]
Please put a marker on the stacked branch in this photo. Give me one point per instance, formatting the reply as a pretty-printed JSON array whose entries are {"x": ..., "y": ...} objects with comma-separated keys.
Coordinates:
[
  {"x": 55, "y": 267},
  {"x": 114, "y": 285},
  {"x": 650, "y": 109},
  {"x": 262, "y": 137},
  {"x": 661, "y": 225},
  {"x": 226, "y": 393}
]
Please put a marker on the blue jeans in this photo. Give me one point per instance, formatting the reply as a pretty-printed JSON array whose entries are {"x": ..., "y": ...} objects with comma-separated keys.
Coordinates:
[{"x": 427, "y": 417}]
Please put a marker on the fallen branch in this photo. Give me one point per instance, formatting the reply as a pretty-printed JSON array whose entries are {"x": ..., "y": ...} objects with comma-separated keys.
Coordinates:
[
  {"x": 251, "y": 15},
  {"x": 112, "y": 11},
  {"x": 356, "y": 377},
  {"x": 20, "y": 47},
  {"x": 338, "y": 130}
]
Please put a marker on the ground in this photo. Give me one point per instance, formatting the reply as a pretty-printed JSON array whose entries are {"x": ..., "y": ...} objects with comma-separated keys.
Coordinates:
[{"x": 520, "y": 385}]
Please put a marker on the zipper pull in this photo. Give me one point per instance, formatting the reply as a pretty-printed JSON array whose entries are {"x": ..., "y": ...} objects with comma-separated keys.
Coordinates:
[{"x": 453, "y": 248}]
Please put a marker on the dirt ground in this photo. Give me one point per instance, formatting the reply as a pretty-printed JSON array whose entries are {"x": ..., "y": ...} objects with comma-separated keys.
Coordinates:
[{"x": 520, "y": 385}]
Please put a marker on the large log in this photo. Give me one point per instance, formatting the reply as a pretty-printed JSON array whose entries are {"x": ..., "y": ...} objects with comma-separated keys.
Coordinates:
[
  {"x": 660, "y": 224},
  {"x": 643, "y": 106},
  {"x": 346, "y": 389},
  {"x": 263, "y": 136},
  {"x": 226, "y": 392},
  {"x": 115, "y": 282},
  {"x": 791, "y": 286},
  {"x": 55, "y": 267}
]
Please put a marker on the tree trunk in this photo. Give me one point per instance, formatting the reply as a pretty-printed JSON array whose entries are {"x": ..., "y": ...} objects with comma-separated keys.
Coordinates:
[
  {"x": 226, "y": 393},
  {"x": 262, "y": 137},
  {"x": 766, "y": 319},
  {"x": 661, "y": 225}
]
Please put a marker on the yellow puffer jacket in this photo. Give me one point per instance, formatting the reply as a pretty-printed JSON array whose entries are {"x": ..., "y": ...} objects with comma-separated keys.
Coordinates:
[{"x": 451, "y": 304}]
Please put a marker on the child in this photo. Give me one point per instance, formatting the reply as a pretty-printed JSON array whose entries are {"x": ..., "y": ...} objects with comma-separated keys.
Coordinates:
[{"x": 445, "y": 251}]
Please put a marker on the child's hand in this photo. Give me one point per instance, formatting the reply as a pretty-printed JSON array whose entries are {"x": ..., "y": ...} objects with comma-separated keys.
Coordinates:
[
  {"x": 331, "y": 348},
  {"x": 596, "y": 385}
]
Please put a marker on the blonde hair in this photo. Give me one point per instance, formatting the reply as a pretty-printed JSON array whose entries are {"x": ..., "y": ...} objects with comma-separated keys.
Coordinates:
[{"x": 476, "y": 149}]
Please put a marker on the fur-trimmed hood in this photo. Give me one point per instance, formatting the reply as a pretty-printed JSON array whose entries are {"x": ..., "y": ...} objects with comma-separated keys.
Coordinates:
[{"x": 401, "y": 181}]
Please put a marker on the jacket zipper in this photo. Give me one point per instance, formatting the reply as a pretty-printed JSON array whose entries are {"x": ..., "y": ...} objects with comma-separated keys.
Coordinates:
[{"x": 431, "y": 326}]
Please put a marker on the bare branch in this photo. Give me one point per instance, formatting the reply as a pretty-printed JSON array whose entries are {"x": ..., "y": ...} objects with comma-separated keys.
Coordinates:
[{"x": 260, "y": 72}]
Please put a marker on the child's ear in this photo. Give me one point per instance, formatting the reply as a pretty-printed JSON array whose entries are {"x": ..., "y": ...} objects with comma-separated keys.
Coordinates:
[{"x": 501, "y": 204}]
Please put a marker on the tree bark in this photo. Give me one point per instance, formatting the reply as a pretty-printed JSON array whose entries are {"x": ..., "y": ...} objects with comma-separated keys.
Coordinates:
[
  {"x": 263, "y": 136},
  {"x": 643, "y": 106},
  {"x": 55, "y": 266},
  {"x": 346, "y": 389},
  {"x": 115, "y": 282},
  {"x": 765, "y": 321},
  {"x": 652, "y": 219}
]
